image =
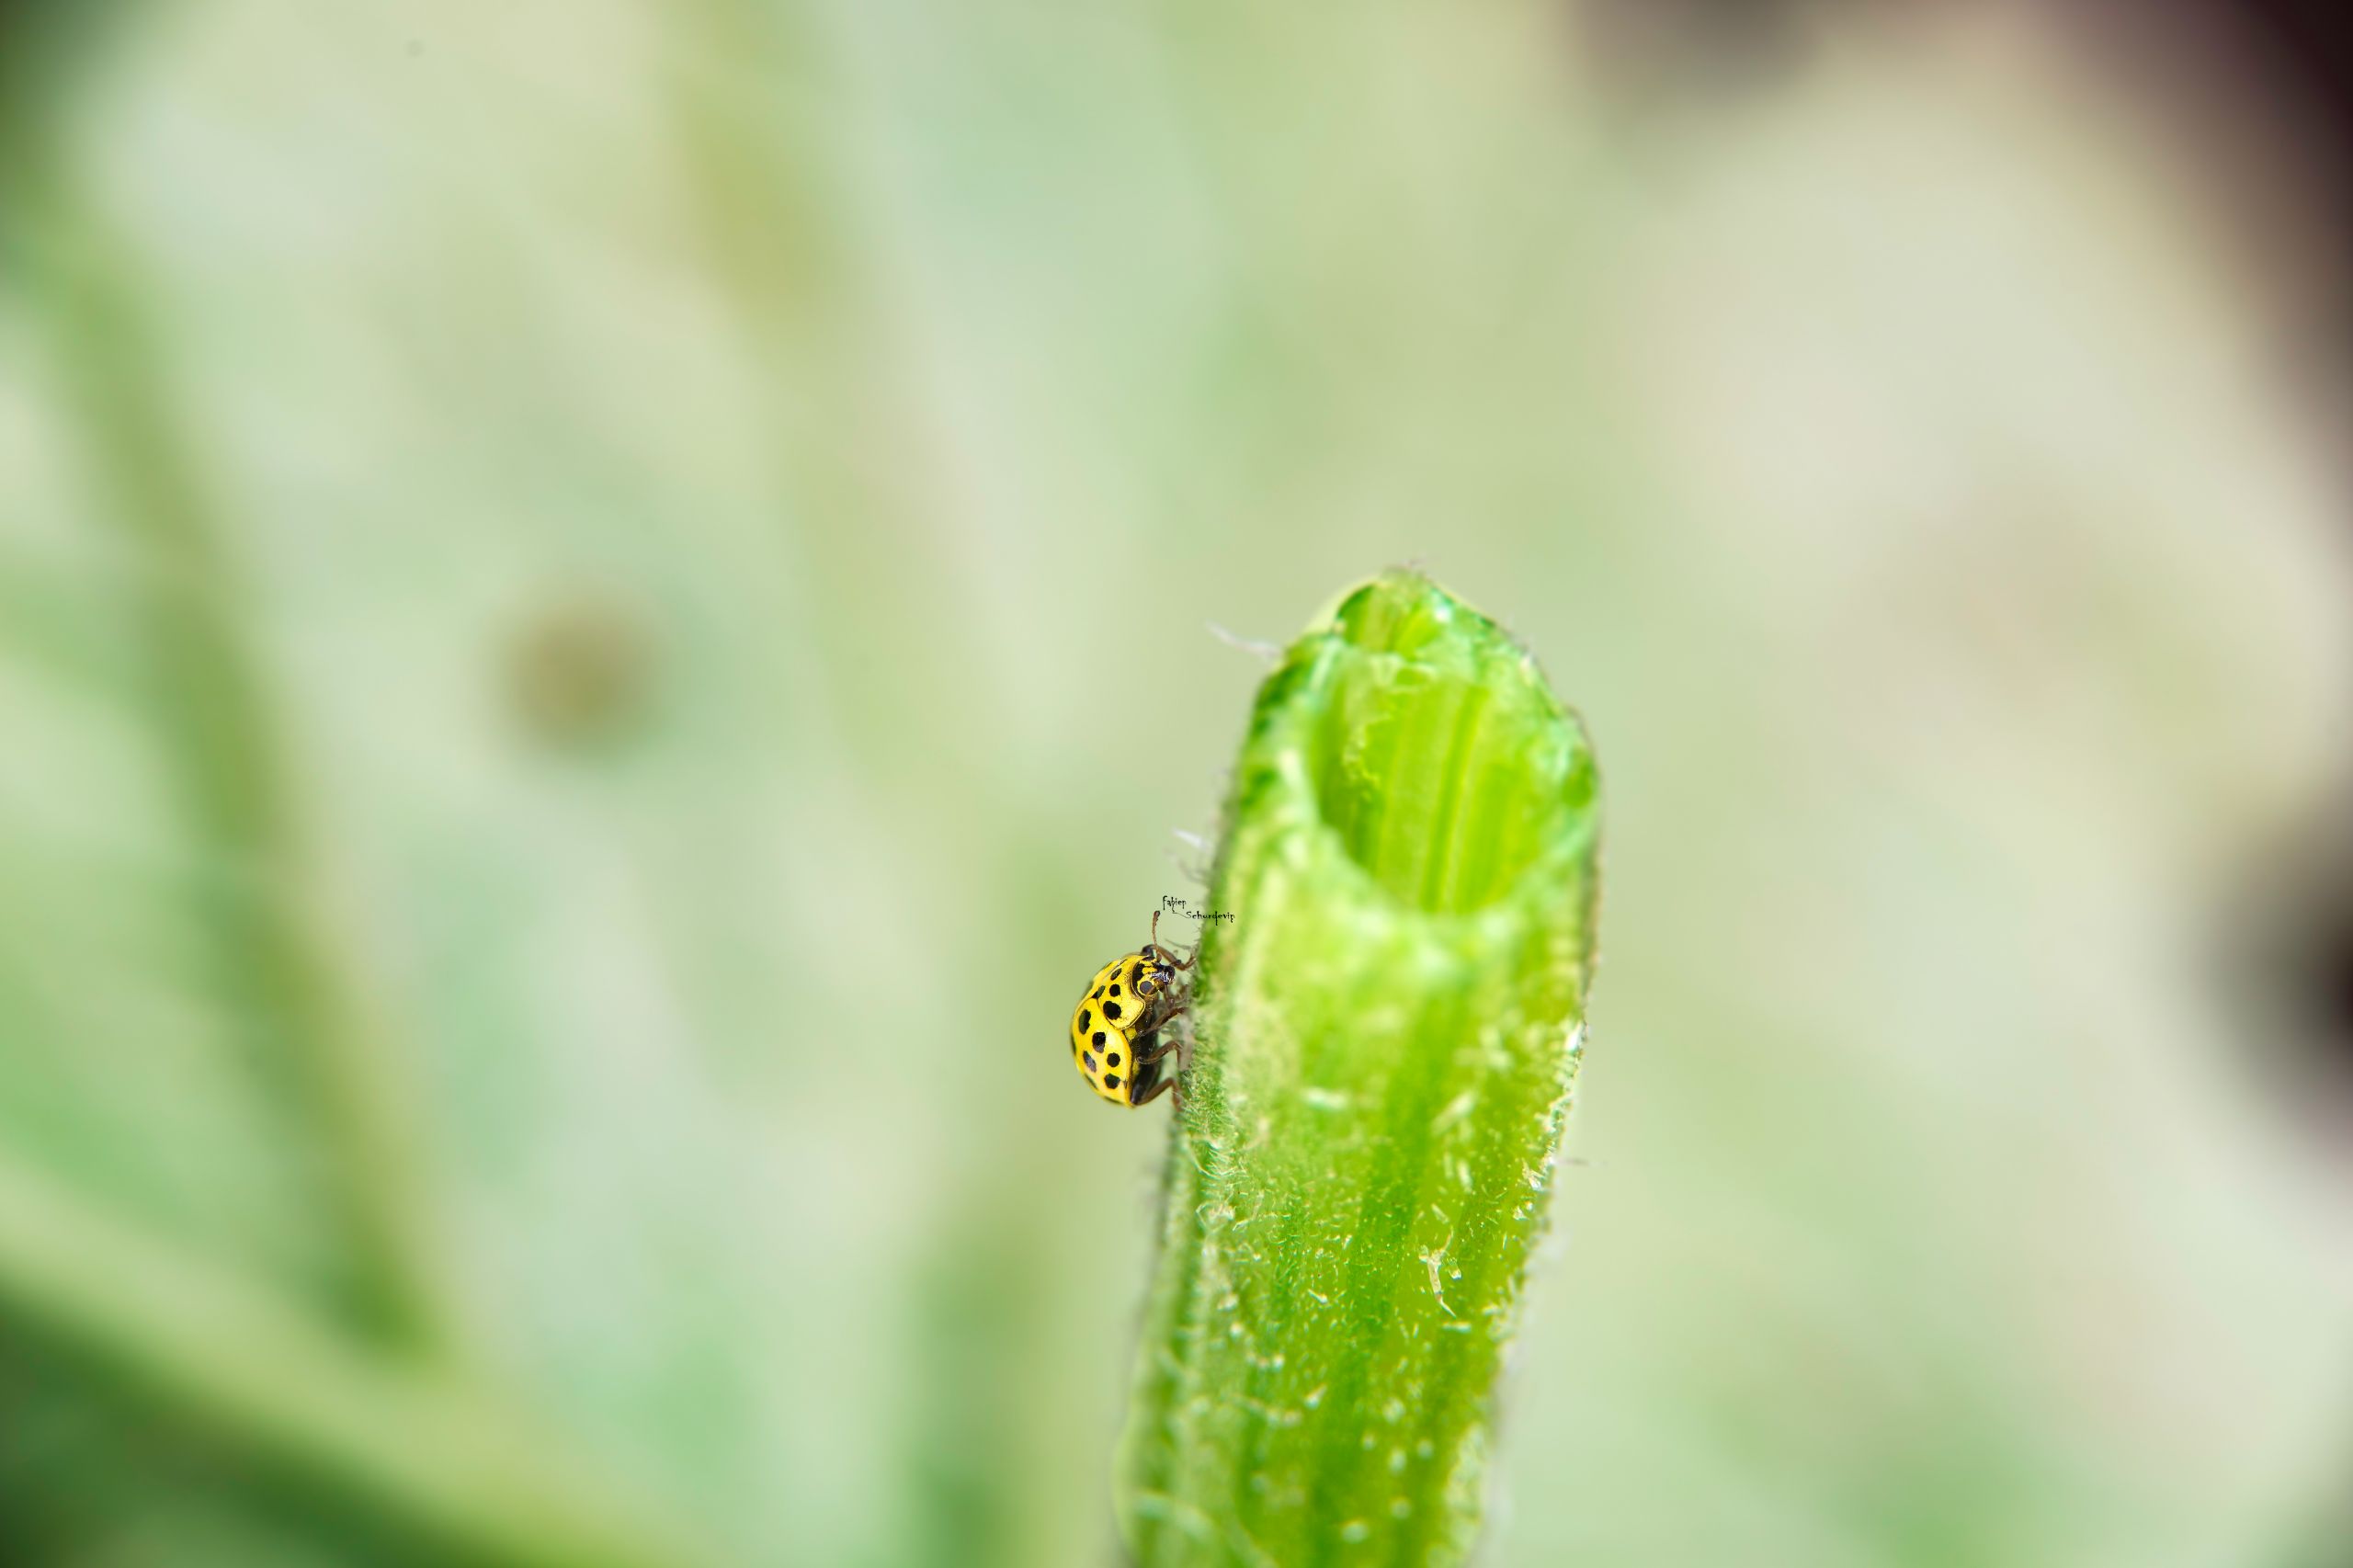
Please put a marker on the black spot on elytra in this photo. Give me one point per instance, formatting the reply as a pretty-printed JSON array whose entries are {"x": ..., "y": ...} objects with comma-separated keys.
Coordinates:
[
  {"x": 1110, "y": 1080},
  {"x": 1112, "y": 1059},
  {"x": 1115, "y": 988},
  {"x": 1090, "y": 1062},
  {"x": 1098, "y": 1036},
  {"x": 1086, "y": 1016},
  {"x": 1111, "y": 1011}
]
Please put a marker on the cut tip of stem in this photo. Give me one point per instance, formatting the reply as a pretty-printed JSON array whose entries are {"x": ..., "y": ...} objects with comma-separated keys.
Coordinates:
[{"x": 1442, "y": 759}]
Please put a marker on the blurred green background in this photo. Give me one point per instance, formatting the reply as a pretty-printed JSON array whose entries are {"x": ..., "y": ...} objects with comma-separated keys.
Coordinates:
[{"x": 604, "y": 611}]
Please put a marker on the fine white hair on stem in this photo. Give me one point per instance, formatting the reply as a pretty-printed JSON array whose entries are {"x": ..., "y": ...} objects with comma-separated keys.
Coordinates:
[
  {"x": 1193, "y": 855},
  {"x": 1266, "y": 651}
]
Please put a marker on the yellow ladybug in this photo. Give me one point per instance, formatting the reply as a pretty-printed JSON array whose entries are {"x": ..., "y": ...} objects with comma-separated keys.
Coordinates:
[{"x": 1120, "y": 1028}]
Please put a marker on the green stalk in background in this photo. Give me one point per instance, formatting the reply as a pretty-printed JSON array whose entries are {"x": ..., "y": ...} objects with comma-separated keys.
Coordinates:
[{"x": 1388, "y": 1033}]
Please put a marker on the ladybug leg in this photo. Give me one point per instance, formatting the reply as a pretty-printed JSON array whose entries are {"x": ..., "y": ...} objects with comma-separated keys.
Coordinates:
[
  {"x": 1170, "y": 953},
  {"x": 1173, "y": 1039},
  {"x": 1165, "y": 1040},
  {"x": 1179, "y": 1041}
]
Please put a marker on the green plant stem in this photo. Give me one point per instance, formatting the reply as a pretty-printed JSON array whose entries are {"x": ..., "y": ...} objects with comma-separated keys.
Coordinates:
[{"x": 1388, "y": 1033}]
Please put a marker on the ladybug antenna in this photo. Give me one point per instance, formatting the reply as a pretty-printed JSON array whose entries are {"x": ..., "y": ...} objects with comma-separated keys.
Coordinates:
[{"x": 1187, "y": 963}]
